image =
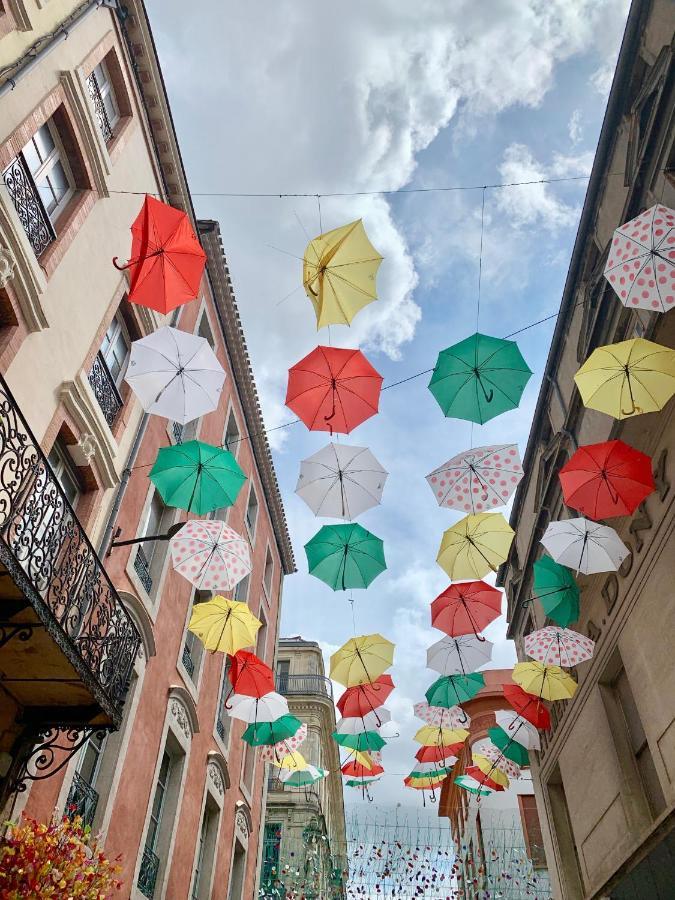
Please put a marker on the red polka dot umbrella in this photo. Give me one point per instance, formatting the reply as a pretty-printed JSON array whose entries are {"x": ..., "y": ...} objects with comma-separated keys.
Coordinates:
[
  {"x": 210, "y": 554},
  {"x": 489, "y": 751},
  {"x": 477, "y": 480},
  {"x": 554, "y": 646},
  {"x": 466, "y": 608},
  {"x": 444, "y": 717},
  {"x": 276, "y": 752},
  {"x": 641, "y": 262}
]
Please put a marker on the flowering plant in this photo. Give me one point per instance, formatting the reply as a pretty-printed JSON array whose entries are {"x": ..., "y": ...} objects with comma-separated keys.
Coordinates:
[{"x": 61, "y": 859}]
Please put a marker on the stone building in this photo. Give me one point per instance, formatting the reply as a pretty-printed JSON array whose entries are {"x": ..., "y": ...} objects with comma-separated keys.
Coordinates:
[
  {"x": 97, "y": 667},
  {"x": 605, "y": 777},
  {"x": 305, "y": 828}
]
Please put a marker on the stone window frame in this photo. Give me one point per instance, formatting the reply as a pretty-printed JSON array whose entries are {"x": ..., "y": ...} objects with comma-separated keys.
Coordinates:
[
  {"x": 243, "y": 828},
  {"x": 216, "y": 783},
  {"x": 192, "y": 682},
  {"x": 7, "y": 20},
  {"x": 232, "y": 413},
  {"x": 268, "y": 590},
  {"x": 224, "y": 746}
]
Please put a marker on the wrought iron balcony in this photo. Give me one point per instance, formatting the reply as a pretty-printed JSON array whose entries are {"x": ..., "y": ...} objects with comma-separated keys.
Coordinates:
[
  {"x": 82, "y": 800},
  {"x": 142, "y": 569},
  {"x": 29, "y": 206},
  {"x": 304, "y": 684},
  {"x": 188, "y": 661},
  {"x": 105, "y": 390},
  {"x": 177, "y": 430},
  {"x": 147, "y": 876},
  {"x": 220, "y": 728},
  {"x": 99, "y": 108}
]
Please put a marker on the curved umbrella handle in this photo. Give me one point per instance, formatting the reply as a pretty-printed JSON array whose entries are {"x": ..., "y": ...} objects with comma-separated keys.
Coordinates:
[{"x": 120, "y": 268}]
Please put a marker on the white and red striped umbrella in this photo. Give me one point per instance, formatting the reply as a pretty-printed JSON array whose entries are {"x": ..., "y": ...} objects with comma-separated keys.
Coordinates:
[
  {"x": 486, "y": 748},
  {"x": 371, "y": 721},
  {"x": 453, "y": 717},
  {"x": 518, "y": 728},
  {"x": 477, "y": 480},
  {"x": 555, "y": 646},
  {"x": 275, "y": 752},
  {"x": 210, "y": 554}
]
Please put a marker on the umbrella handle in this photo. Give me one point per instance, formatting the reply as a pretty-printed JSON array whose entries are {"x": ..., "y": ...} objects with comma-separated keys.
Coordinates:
[
  {"x": 636, "y": 410},
  {"x": 119, "y": 267}
]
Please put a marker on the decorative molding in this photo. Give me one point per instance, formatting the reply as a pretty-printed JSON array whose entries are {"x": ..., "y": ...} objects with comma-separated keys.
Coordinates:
[
  {"x": 243, "y": 823},
  {"x": 29, "y": 281},
  {"x": 218, "y": 772},
  {"x": 143, "y": 623},
  {"x": 80, "y": 402},
  {"x": 84, "y": 451},
  {"x": 7, "y": 266},
  {"x": 180, "y": 715},
  {"x": 82, "y": 110},
  {"x": 184, "y": 710}
]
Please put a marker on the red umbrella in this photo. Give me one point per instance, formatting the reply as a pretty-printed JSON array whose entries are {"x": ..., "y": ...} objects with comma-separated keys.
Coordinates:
[
  {"x": 334, "y": 390},
  {"x": 438, "y": 752},
  {"x": 607, "y": 479},
  {"x": 365, "y": 698},
  {"x": 249, "y": 675},
  {"x": 530, "y": 707},
  {"x": 466, "y": 608},
  {"x": 482, "y": 778},
  {"x": 357, "y": 770},
  {"x": 167, "y": 261}
]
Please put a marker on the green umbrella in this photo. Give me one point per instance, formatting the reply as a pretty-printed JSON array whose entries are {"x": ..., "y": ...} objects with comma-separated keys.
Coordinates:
[
  {"x": 432, "y": 773},
  {"x": 479, "y": 378},
  {"x": 259, "y": 733},
  {"x": 453, "y": 689},
  {"x": 197, "y": 477},
  {"x": 345, "y": 556},
  {"x": 556, "y": 589},
  {"x": 471, "y": 785},
  {"x": 304, "y": 777},
  {"x": 364, "y": 740},
  {"x": 509, "y": 746},
  {"x": 360, "y": 782}
]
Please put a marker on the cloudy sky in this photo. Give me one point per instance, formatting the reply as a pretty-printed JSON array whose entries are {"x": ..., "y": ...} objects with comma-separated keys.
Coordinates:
[{"x": 299, "y": 96}]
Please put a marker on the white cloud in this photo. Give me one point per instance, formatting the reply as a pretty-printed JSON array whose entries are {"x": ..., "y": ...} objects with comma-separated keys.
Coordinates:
[{"x": 574, "y": 127}]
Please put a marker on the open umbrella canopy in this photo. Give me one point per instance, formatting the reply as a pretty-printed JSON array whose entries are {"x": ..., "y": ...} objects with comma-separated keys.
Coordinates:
[
  {"x": 370, "y": 721},
  {"x": 292, "y": 760},
  {"x": 585, "y": 546},
  {"x": 249, "y": 675},
  {"x": 439, "y": 753},
  {"x": 471, "y": 785},
  {"x": 361, "y": 782},
  {"x": 475, "y": 545},
  {"x": 167, "y": 261},
  {"x": 431, "y": 736},
  {"x": 338, "y": 273},
  {"x": 424, "y": 784},
  {"x": 259, "y": 733},
  {"x": 364, "y": 698},
  {"x": 365, "y": 758},
  {"x": 361, "y": 659},
  {"x": 356, "y": 770},
  {"x": 197, "y": 477},
  {"x": 557, "y": 591},
  {"x": 428, "y": 770},
  {"x": 341, "y": 482},
  {"x": 479, "y": 378},
  {"x": 466, "y": 608},
  {"x": 210, "y": 554},
  {"x": 224, "y": 625},
  {"x": 450, "y": 690},
  {"x": 332, "y": 389},
  {"x": 285, "y": 747},
  {"x": 517, "y": 727},
  {"x": 546, "y": 682},
  {"x": 268, "y": 708},
  {"x": 459, "y": 655},
  {"x": 531, "y": 708},
  {"x": 509, "y": 746},
  {"x": 452, "y": 717},
  {"x": 479, "y": 479},
  {"x": 489, "y": 768},
  {"x": 641, "y": 261},
  {"x": 556, "y": 646},
  {"x": 175, "y": 374},
  {"x": 345, "y": 556},
  {"x": 484, "y": 780},
  {"x": 365, "y": 740},
  {"x": 302, "y": 777},
  {"x": 628, "y": 378},
  {"x": 486, "y": 750}
]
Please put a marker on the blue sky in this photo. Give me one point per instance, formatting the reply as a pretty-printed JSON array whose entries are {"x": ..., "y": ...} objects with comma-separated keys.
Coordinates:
[{"x": 291, "y": 98}]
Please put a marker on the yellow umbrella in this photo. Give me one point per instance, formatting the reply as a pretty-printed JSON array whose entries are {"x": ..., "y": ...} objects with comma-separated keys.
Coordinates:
[
  {"x": 293, "y": 760},
  {"x": 225, "y": 625},
  {"x": 628, "y": 378},
  {"x": 488, "y": 768},
  {"x": 547, "y": 682},
  {"x": 361, "y": 660},
  {"x": 432, "y": 736},
  {"x": 474, "y": 546},
  {"x": 338, "y": 273}
]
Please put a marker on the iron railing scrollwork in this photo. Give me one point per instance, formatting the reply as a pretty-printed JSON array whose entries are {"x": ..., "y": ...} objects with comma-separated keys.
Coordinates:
[
  {"x": 142, "y": 569},
  {"x": 82, "y": 801},
  {"x": 46, "y": 752},
  {"x": 28, "y": 204},
  {"x": 177, "y": 430},
  {"x": 50, "y": 558},
  {"x": 304, "y": 684},
  {"x": 147, "y": 876},
  {"x": 188, "y": 661},
  {"x": 99, "y": 108},
  {"x": 105, "y": 390}
]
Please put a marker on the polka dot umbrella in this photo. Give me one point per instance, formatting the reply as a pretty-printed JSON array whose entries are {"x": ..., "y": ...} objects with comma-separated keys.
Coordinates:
[
  {"x": 555, "y": 646},
  {"x": 210, "y": 554},
  {"x": 454, "y": 717},
  {"x": 477, "y": 480}
]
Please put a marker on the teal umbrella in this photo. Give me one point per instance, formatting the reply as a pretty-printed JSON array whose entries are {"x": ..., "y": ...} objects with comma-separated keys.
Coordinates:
[
  {"x": 363, "y": 741},
  {"x": 345, "y": 556},
  {"x": 302, "y": 777},
  {"x": 197, "y": 477},
  {"x": 557, "y": 591},
  {"x": 259, "y": 733},
  {"x": 509, "y": 746},
  {"x": 479, "y": 378},
  {"x": 453, "y": 689}
]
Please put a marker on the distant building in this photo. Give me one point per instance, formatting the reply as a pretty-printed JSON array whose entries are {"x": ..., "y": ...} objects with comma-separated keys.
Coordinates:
[
  {"x": 498, "y": 840},
  {"x": 304, "y": 838}
]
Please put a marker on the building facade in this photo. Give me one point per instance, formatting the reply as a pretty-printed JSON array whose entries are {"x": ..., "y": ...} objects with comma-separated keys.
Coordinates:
[
  {"x": 305, "y": 839},
  {"x": 498, "y": 844},
  {"x": 605, "y": 776},
  {"x": 97, "y": 667}
]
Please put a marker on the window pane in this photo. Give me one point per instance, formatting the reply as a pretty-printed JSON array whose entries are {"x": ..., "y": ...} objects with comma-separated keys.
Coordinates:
[
  {"x": 46, "y": 194},
  {"x": 252, "y": 511},
  {"x": 241, "y": 590},
  {"x": 63, "y": 469},
  {"x": 58, "y": 181},
  {"x": 153, "y": 525},
  {"x": 101, "y": 76},
  {"x": 44, "y": 142},
  {"x": 110, "y": 108},
  {"x": 89, "y": 761},
  {"x": 232, "y": 435},
  {"x": 31, "y": 157}
]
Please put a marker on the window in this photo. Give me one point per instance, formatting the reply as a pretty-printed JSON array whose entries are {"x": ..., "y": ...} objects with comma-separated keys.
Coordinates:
[
  {"x": 180, "y": 433},
  {"x": 270, "y": 860},
  {"x": 115, "y": 349},
  {"x": 283, "y": 670},
  {"x": 248, "y": 767},
  {"x": 251, "y": 512},
  {"x": 223, "y": 720},
  {"x": 65, "y": 471},
  {"x": 192, "y": 646},
  {"x": 149, "y": 558},
  {"x": 82, "y": 796},
  {"x": 232, "y": 436},
  {"x": 238, "y": 872},
  {"x": 261, "y": 639},
  {"x": 269, "y": 573},
  {"x": 240, "y": 592},
  {"x": 534, "y": 841},
  {"x": 109, "y": 368},
  {"x": 204, "y": 331},
  {"x": 158, "y": 802},
  {"x": 206, "y": 847},
  {"x": 99, "y": 85}
]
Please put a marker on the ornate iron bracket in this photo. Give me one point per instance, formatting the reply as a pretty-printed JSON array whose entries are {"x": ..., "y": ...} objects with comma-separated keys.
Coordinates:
[
  {"x": 48, "y": 751},
  {"x": 21, "y": 630}
]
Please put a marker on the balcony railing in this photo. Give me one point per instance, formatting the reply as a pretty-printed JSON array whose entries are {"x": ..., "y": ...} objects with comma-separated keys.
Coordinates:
[
  {"x": 99, "y": 108},
  {"x": 105, "y": 390},
  {"x": 29, "y": 206},
  {"x": 147, "y": 876},
  {"x": 82, "y": 800},
  {"x": 177, "y": 430},
  {"x": 49, "y": 557},
  {"x": 188, "y": 661},
  {"x": 304, "y": 684},
  {"x": 142, "y": 569}
]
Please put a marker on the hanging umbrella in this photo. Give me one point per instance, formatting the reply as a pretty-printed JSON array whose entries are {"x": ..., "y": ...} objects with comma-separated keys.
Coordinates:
[
  {"x": 302, "y": 777},
  {"x": 475, "y": 545},
  {"x": 366, "y": 740},
  {"x": 628, "y": 378},
  {"x": 268, "y": 708},
  {"x": 167, "y": 261},
  {"x": 210, "y": 554},
  {"x": 249, "y": 675},
  {"x": 333, "y": 389},
  {"x": 364, "y": 698},
  {"x": 479, "y": 479},
  {"x": 367, "y": 759},
  {"x": 556, "y": 646},
  {"x": 466, "y": 608},
  {"x": 547, "y": 682},
  {"x": 338, "y": 273},
  {"x": 479, "y": 378},
  {"x": 361, "y": 659},
  {"x": 224, "y": 625},
  {"x": 175, "y": 375},
  {"x": 557, "y": 591},
  {"x": 509, "y": 746},
  {"x": 485, "y": 780},
  {"x": 452, "y": 717},
  {"x": 439, "y": 753},
  {"x": 606, "y": 480},
  {"x": 641, "y": 261},
  {"x": 486, "y": 750},
  {"x": 459, "y": 655},
  {"x": 424, "y": 769},
  {"x": 292, "y": 760},
  {"x": 517, "y": 727},
  {"x": 357, "y": 770},
  {"x": 361, "y": 782},
  {"x": 531, "y": 708},
  {"x": 197, "y": 477},
  {"x": 272, "y": 733},
  {"x": 585, "y": 546},
  {"x": 285, "y": 747},
  {"x": 341, "y": 482},
  {"x": 471, "y": 785},
  {"x": 424, "y": 784},
  {"x": 345, "y": 556},
  {"x": 490, "y": 770},
  {"x": 431, "y": 736},
  {"x": 453, "y": 689},
  {"x": 370, "y": 721}
]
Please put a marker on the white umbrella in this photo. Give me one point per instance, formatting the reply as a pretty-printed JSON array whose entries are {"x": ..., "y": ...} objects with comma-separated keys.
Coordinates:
[
  {"x": 459, "y": 655},
  {"x": 491, "y": 752},
  {"x": 276, "y": 752},
  {"x": 452, "y": 717},
  {"x": 477, "y": 480},
  {"x": 267, "y": 708},
  {"x": 175, "y": 374},
  {"x": 555, "y": 646},
  {"x": 210, "y": 554},
  {"x": 518, "y": 728},
  {"x": 585, "y": 546},
  {"x": 341, "y": 482},
  {"x": 371, "y": 721},
  {"x": 422, "y": 768}
]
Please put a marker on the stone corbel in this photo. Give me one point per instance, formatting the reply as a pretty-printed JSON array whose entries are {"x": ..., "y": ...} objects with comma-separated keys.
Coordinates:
[
  {"x": 78, "y": 399},
  {"x": 7, "y": 266},
  {"x": 28, "y": 279}
]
